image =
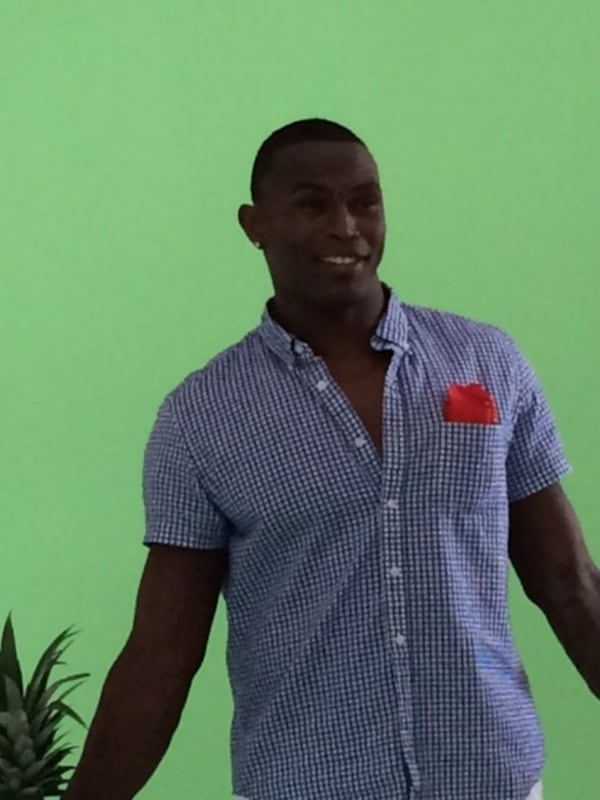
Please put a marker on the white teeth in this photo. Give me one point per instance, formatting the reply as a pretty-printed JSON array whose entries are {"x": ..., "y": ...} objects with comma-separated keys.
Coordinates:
[{"x": 339, "y": 260}]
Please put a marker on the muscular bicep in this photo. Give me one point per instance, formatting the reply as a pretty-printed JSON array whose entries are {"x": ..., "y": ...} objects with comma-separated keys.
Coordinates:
[{"x": 546, "y": 546}]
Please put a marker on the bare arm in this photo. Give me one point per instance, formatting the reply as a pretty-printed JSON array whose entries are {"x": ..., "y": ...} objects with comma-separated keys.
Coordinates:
[
  {"x": 147, "y": 686},
  {"x": 548, "y": 550}
]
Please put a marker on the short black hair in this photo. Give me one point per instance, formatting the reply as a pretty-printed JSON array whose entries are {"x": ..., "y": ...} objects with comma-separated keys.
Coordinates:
[{"x": 305, "y": 130}]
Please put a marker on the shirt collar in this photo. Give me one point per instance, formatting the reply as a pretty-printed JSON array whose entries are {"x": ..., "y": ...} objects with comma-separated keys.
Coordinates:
[{"x": 392, "y": 332}]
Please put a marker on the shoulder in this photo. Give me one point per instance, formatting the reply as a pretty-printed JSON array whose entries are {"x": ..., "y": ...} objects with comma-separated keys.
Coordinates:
[
  {"x": 213, "y": 391},
  {"x": 450, "y": 330}
]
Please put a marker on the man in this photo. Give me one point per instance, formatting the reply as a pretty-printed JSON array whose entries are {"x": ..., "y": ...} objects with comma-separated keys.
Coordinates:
[{"x": 354, "y": 475}]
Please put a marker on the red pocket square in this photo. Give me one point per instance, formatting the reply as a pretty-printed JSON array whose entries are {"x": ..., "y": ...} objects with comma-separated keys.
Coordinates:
[{"x": 470, "y": 403}]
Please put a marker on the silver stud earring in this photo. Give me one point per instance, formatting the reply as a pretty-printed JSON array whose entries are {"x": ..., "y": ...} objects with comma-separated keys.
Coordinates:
[{"x": 257, "y": 244}]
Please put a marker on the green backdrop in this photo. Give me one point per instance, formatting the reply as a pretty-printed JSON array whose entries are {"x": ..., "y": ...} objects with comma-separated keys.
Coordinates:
[{"x": 127, "y": 133}]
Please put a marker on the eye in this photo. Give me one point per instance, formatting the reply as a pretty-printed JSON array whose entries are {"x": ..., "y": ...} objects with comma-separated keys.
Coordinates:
[
  {"x": 369, "y": 202},
  {"x": 311, "y": 204}
]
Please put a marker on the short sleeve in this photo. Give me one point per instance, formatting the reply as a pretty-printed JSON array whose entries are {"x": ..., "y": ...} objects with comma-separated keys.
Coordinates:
[
  {"x": 536, "y": 458},
  {"x": 178, "y": 510}
]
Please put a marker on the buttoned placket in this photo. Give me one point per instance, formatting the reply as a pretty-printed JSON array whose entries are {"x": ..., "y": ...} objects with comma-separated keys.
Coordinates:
[{"x": 392, "y": 505}]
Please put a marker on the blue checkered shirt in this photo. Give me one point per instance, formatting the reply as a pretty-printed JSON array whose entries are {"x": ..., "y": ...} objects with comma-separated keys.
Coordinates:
[{"x": 369, "y": 650}]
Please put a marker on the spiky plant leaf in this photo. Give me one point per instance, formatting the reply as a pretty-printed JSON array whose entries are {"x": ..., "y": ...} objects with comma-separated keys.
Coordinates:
[
  {"x": 55, "y": 787},
  {"x": 44, "y": 725},
  {"x": 39, "y": 681},
  {"x": 45, "y": 739},
  {"x": 14, "y": 696},
  {"x": 53, "y": 778},
  {"x": 69, "y": 712},
  {"x": 9, "y": 662},
  {"x": 33, "y": 770},
  {"x": 64, "y": 710},
  {"x": 43, "y": 720},
  {"x": 32, "y": 753},
  {"x": 14, "y": 724},
  {"x": 72, "y": 688},
  {"x": 49, "y": 659},
  {"x": 45, "y": 697},
  {"x": 53, "y": 745},
  {"x": 55, "y": 758}
]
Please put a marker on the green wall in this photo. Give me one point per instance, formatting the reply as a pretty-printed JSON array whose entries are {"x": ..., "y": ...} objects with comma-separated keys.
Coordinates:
[{"x": 127, "y": 133}]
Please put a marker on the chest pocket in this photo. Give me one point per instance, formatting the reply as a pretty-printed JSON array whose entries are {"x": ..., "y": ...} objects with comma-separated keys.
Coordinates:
[{"x": 462, "y": 466}]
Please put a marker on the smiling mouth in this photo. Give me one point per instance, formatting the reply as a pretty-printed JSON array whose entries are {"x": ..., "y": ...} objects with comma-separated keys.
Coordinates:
[{"x": 343, "y": 260}]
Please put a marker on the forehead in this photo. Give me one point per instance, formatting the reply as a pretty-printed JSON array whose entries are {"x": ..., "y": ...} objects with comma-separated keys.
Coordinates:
[{"x": 335, "y": 165}]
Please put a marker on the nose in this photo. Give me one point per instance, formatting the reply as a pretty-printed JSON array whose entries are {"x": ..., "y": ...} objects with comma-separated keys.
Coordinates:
[{"x": 343, "y": 224}]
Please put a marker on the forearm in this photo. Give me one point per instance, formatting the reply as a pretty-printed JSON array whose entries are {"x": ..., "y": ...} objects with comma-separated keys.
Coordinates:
[
  {"x": 574, "y": 615},
  {"x": 139, "y": 710}
]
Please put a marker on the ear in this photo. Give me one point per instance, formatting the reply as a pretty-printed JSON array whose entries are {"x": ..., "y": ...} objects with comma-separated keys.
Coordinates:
[{"x": 247, "y": 217}]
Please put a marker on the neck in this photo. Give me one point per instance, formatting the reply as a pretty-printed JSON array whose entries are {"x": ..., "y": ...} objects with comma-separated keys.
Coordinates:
[{"x": 341, "y": 337}]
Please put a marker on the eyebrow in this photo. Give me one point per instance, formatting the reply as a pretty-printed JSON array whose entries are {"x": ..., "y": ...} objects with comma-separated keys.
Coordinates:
[{"x": 307, "y": 186}]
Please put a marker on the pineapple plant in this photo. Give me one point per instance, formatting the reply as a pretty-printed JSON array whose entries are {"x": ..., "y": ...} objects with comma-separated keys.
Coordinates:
[{"x": 31, "y": 752}]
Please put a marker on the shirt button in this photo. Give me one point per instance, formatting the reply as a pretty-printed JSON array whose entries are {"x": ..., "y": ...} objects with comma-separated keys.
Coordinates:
[
  {"x": 395, "y": 571},
  {"x": 360, "y": 441},
  {"x": 321, "y": 385},
  {"x": 399, "y": 639},
  {"x": 392, "y": 504}
]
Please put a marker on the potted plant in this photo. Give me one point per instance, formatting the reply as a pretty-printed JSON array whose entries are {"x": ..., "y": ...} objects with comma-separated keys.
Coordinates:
[{"x": 31, "y": 752}]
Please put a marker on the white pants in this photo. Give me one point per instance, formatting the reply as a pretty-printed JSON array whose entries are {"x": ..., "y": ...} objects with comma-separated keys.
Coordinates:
[{"x": 536, "y": 792}]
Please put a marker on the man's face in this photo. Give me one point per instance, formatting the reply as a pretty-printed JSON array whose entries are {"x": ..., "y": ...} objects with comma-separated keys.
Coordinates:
[{"x": 320, "y": 200}]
